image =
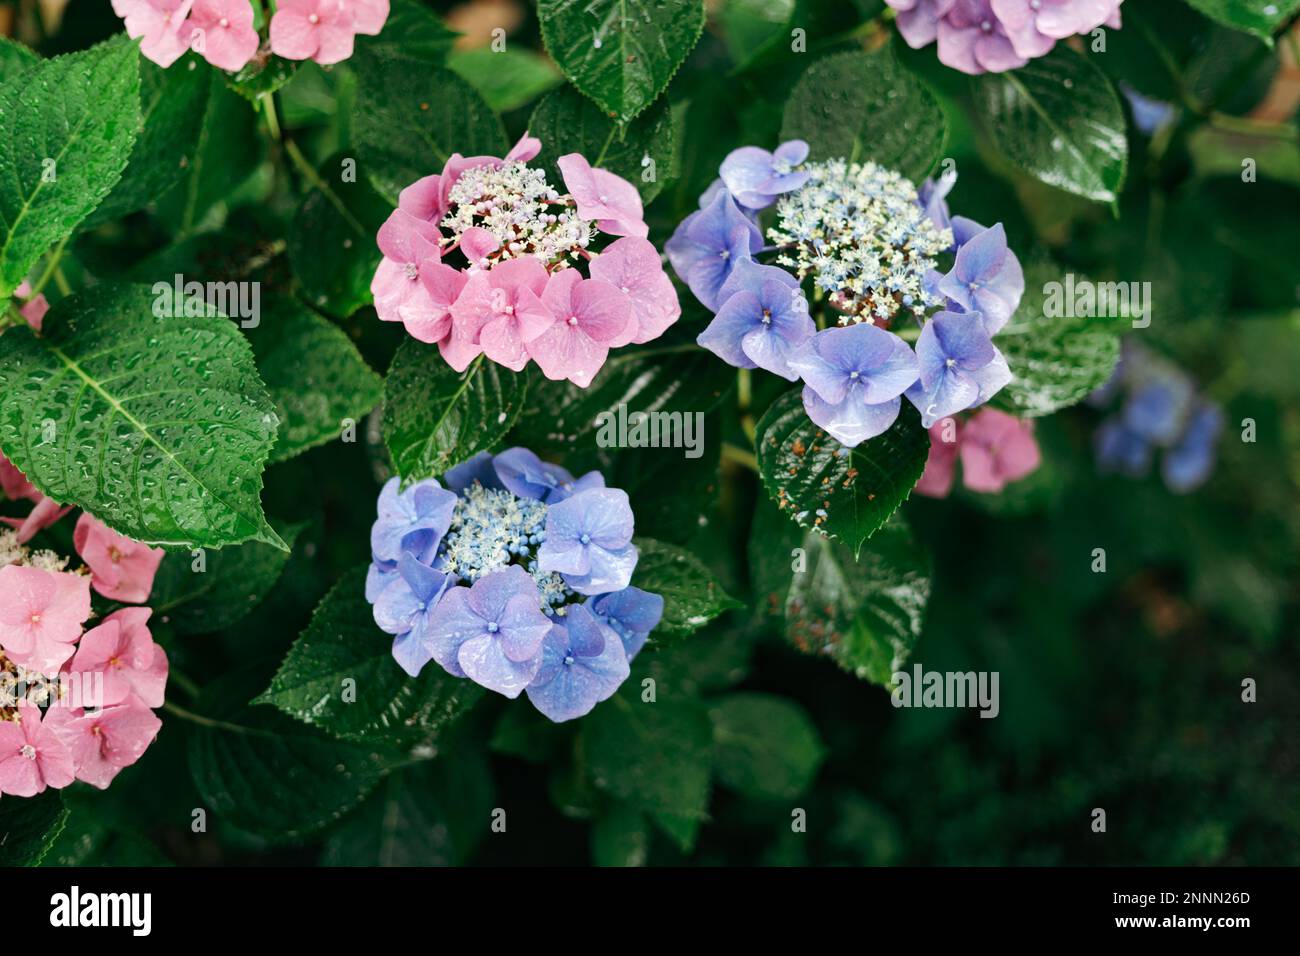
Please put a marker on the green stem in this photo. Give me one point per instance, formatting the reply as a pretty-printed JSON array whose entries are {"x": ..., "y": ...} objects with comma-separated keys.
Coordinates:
[
  {"x": 178, "y": 711},
  {"x": 272, "y": 121},
  {"x": 310, "y": 174},
  {"x": 744, "y": 399},
  {"x": 739, "y": 456},
  {"x": 51, "y": 268}
]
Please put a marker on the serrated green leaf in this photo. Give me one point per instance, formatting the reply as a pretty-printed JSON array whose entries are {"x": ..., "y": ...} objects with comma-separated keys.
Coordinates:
[
  {"x": 506, "y": 78},
  {"x": 620, "y": 836},
  {"x": 1260, "y": 17},
  {"x": 764, "y": 745},
  {"x": 436, "y": 417},
  {"x": 261, "y": 76},
  {"x": 29, "y": 826},
  {"x": 865, "y": 614},
  {"x": 816, "y": 481},
  {"x": 692, "y": 596},
  {"x": 567, "y": 122},
  {"x": 15, "y": 58},
  {"x": 1056, "y": 361},
  {"x": 67, "y": 127},
  {"x": 156, "y": 424},
  {"x": 866, "y": 106},
  {"x": 410, "y": 119},
  {"x": 316, "y": 377},
  {"x": 1059, "y": 119},
  {"x": 621, "y": 53},
  {"x": 342, "y": 643}
]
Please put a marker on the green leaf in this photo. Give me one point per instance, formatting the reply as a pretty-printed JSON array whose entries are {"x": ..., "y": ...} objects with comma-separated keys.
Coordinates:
[
  {"x": 66, "y": 130},
  {"x": 343, "y": 644},
  {"x": 1058, "y": 119},
  {"x": 866, "y": 106},
  {"x": 411, "y": 30},
  {"x": 621, "y": 53},
  {"x": 316, "y": 377},
  {"x": 156, "y": 424},
  {"x": 506, "y": 78},
  {"x": 1260, "y": 17},
  {"x": 410, "y": 119},
  {"x": 261, "y": 77},
  {"x": 692, "y": 596},
  {"x": 201, "y": 595},
  {"x": 620, "y": 836},
  {"x": 865, "y": 614},
  {"x": 1056, "y": 361},
  {"x": 29, "y": 826},
  {"x": 567, "y": 122},
  {"x": 172, "y": 104},
  {"x": 764, "y": 745},
  {"x": 15, "y": 58},
  {"x": 331, "y": 242},
  {"x": 819, "y": 483},
  {"x": 435, "y": 417}
]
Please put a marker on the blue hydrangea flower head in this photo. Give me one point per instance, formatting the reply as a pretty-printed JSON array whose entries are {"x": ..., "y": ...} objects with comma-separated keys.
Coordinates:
[
  {"x": 1149, "y": 114},
  {"x": 631, "y": 613},
  {"x": 412, "y": 520},
  {"x": 986, "y": 278},
  {"x": 526, "y": 475},
  {"x": 1158, "y": 409},
  {"x": 404, "y": 607},
  {"x": 583, "y": 662},
  {"x": 707, "y": 245},
  {"x": 853, "y": 377},
  {"x": 1188, "y": 464},
  {"x": 1120, "y": 451},
  {"x": 959, "y": 366},
  {"x": 933, "y": 197},
  {"x": 756, "y": 177},
  {"x": 763, "y": 319},
  {"x": 478, "y": 469},
  {"x": 589, "y": 541}
]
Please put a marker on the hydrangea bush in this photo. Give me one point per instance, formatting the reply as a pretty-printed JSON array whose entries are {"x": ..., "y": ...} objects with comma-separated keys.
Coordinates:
[{"x": 446, "y": 433}]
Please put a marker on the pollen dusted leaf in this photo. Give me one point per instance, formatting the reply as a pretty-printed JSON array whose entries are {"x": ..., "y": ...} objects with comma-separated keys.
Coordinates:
[
  {"x": 567, "y": 122},
  {"x": 866, "y": 106},
  {"x": 1056, "y": 361},
  {"x": 1260, "y": 17},
  {"x": 1059, "y": 119},
  {"x": 621, "y": 53},
  {"x": 435, "y": 417},
  {"x": 67, "y": 127},
  {"x": 817, "y": 482},
  {"x": 865, "y": 614},
  {"x": 158, "y": 426},
  {"x": 764, "y": 745},
  {"x": 29, "y": 826},
  {"x": 342, "y": 643},
  {"x": 410, "y": 119},
  {"x": 692, "y": 596},
  {"x": 317, "y": 378}
]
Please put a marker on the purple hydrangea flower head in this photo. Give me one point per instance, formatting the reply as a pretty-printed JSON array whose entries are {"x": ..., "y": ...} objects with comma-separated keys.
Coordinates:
[
  {"x": 632, "y": 613},
  {"x": 853, "y": 377},
  {"x": 1121, "y": 451},
  {"x": 1034, "y": 26},
  {"x": 491, "y": 632},
  {"x": 412, "y": 520},
  {"x": 918, "y": 20},
  {"x": 379, "y": 576},
  {"x": 756, "y": 177},
  {"x": 986, "y": 278},
  {"x": 583, "y": 662},
  {"x": 707, "y": 245},
  {"x": 589, "y": 541},
  {"x": 763, "y": 319},
  {"x": 959, "y": 366},
  {"x": 933, "y": 197},
  {"x": 1188, "y": 464},
  {"x": 404, "y": 608},
  {"x": 478, "y": 469},
  {"x": 523, "y": 473},
  {"x": 972, "y": 39}
]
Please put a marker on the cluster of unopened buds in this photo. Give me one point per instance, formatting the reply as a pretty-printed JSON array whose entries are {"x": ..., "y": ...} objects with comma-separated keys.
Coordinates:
[
  {"x": 486, "y": 258},
  {"x": 868, "y": 243},
  {"x": 76, "y": 702},
  {"x": 992, "y": 36},
  {"x": 224, "y": 34},
  {"x": 515, "y": 575}
]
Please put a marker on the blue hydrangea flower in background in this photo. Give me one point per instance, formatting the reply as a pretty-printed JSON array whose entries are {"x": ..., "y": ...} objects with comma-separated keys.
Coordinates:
[
  {"x": 489, "y": 571},
  {"x": 762, "y": 320},
  {"x": 1187, "y": 465},
  {"x": 1149, "y": 114},
  {"x": 756, "y": 177},
  {"x": 959, "y": 366},
  {"x": 1120, "y": 451},
  {"x": 707, "y": 245},
  {"x": 1158, "y": 410}
]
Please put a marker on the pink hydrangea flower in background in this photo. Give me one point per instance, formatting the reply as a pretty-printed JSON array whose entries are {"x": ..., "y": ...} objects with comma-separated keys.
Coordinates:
[
  {"x": 123, "y": 650},
  {"x": 162, "y": 26},
  {"x": 123, "y": 568},
  {"x": 610, "y": 200},
  {"x": 370, "y": 15},
  {"x": 996, "y": 449},
  {"x": 320, "y": 30},
  {"x": 587, "y": 315},
  {"x": 34, "y": 307},
  {"x": 45, "y": 513},
  {"x": 14, "y": 482},
  {"x": 41, "y": 614},
  {"x": 222, "y": 32},
  {"x": 104, "y": 742},
  {"x": 32, "y": 755},
  {"x": 941, "y": 463}
]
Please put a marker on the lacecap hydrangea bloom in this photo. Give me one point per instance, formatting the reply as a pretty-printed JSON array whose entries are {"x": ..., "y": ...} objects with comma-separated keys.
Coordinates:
[
  {"x": 992, "y": 36},
  {"x": 223, "y": 31},
  {"x": 77, "y": 690},
  {"x": 1159, "y": 410},
  {"x": 515, "y": 575},
  {"x": 488, "y": 258},
  {"x": 868, "y": 244}
]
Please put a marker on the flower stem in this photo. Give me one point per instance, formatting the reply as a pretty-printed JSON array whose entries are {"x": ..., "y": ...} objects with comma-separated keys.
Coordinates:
[
  {"x": 739, "y": 456},
  {"x": 272, "y": 121},
  {"x": 744, "y": 398},
  {"x": 51, "y": 268},
  {"x": 178, "y": 711}
]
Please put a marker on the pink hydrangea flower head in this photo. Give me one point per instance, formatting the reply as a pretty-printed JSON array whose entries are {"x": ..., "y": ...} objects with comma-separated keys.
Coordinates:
[
  {"x": 123, "y": 568},
  {"x": 423, "y": 199},
  {"x": 409, "y": 245},
  {"x": 45, "y": 513},
  {"x": 500, "y": 311},
  {"x": 162, "y": 26},
  {"x": 632, "y": 265},
  {"x": 610, "y": 200},
  {"x": 428, "y": 318},
  {"x": 527, "y": 148},
  {"x": 973, "y": 40},
  {"x": 15, "y": 483},
  {"x": 996, "y": 449},
  {"x": 941, "y": 463},
  {"x": 588, "y": 315},
  {"x": 32, "y": 756},
  {"x": 223, "y": 32},
  {"x": 123, "y": 650},
  {"x": 34, "y": 307},
  {"x": 320, "y": 30},
  {"x": 104, "y": 742},
  {"x": 369, "y": 15},
  {"x": 41, "y": 614}
]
